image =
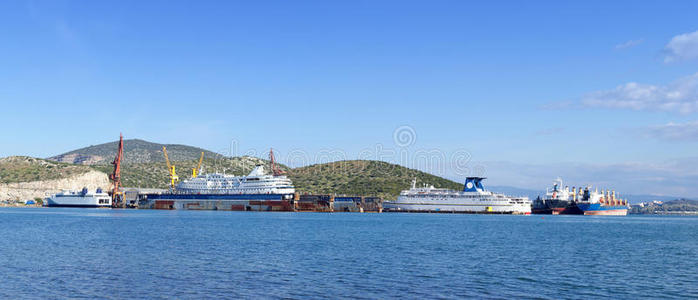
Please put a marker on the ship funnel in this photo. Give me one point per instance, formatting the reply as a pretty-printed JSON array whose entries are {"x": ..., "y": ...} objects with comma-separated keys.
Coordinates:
[{"x": 473, "y": 184}]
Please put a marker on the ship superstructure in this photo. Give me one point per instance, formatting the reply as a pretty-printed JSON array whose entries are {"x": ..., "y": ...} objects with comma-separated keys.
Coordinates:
[
  {"x": 473, "y": 199},
  {"x": 257, "y": 182}
]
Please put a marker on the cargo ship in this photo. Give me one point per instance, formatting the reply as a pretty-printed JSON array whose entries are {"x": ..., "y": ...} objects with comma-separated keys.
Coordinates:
[
  {"x": 473, "y": 199},
  {"x": 83, "y": 198},
  {"x": 579, "y": 201},
  {"x": 556, "y": 201},
  {"x": 604, "y": 203}
]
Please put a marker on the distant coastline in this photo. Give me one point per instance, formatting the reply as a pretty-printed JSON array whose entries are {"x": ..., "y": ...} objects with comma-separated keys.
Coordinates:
[
  {"x": 668, "y": 213},
  {"x": 673, "y": 207}
]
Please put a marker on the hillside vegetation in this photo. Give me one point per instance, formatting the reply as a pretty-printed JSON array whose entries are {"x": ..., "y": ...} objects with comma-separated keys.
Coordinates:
[
  {"x": 135, "y": 151},
  {"x": 25, "y": 169},
  {"x": 144, "y": 166},
  {"x": 345, "y": 177},
  {"x": 673, "y": 206},
  {"x": 363, "y": 177}
]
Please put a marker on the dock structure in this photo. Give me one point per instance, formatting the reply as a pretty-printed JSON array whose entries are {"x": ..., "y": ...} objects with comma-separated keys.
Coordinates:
[
  {"x": 261, "y": 202},
  {"x": 317, "y": 203},
  {"x": 357, "y": 204}
]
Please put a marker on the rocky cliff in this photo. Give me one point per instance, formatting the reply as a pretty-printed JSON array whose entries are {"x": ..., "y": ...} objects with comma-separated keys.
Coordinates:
[{"x": 23, "y": 191}]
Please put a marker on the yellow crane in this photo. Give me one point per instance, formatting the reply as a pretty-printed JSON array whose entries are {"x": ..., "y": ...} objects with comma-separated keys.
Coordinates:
[
  {"x": 195, "y": 172},
  {"x": 170, "y": 168}
]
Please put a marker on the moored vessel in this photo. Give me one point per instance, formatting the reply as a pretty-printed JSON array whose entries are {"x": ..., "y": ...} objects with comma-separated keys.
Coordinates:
[
  {"x": 473, "y": 199},
  {"x": 83, "y": 198},
  {"x": 579, "y": 201},
  {"x": 257, "y": 182},
  {"x": 256, "y": 191},
  {"x": 557, "y": 200},
  {"x": 604, "y": 203}
]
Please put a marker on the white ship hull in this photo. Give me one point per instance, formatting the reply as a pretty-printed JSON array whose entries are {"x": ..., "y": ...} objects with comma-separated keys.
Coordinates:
[
  {"x": 457, "y": 205},
  {"x": 98, "y": 200}
]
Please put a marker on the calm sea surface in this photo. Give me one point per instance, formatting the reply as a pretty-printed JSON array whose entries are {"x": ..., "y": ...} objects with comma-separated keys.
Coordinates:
[{"x": 100, "y": 253}]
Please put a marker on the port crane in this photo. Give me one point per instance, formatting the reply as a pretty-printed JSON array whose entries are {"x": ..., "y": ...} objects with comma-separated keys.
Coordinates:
[
  {"x": 115, "y": 176},
  {"x": 274, "y": 168},
  {"x": 195, "y": 172},
  {"x": 171, "y": 169}
]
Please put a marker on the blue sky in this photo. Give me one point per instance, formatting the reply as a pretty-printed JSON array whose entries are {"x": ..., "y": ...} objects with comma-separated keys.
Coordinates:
[{"x": 605, "y": 85}]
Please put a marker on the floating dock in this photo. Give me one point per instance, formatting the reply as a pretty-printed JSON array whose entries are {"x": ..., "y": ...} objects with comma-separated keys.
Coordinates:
[{"x": 260, "y": 202}]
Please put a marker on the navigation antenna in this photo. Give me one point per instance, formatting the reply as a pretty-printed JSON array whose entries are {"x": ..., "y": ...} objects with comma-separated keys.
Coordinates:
[
  {"x": 274, "y": 168},
  {"x": 115, "y": 176}
]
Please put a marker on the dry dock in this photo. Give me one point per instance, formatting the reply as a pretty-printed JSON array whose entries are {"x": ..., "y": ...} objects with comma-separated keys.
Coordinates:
[{"x": 262, "y": 202}]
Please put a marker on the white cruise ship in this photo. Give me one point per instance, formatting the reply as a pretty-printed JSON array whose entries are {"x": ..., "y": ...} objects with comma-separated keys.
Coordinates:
[
  {"x": 82, "y": 198},
  {"x": 257, "y": 182},
  {"x": 473, "y": 199}
]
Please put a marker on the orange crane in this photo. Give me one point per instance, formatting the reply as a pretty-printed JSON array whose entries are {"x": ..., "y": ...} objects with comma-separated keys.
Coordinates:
[
  {"x": 171, "y": 169},
  {"x": 274, "y": 168},
  {"x": 196, "y": 171},
  {"x": 115, "y": 176}
]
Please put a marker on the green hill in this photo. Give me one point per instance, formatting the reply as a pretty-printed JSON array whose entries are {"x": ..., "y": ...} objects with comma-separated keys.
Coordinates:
[
  {"x": 668, "y": 207},
  {"x": 363, "y": 177},
  {"x": 359, "y": 177},
  {"x": 24, "y": 169},
  {"x": 135, "y": 151},
  {"x": 144, "y": 166}
]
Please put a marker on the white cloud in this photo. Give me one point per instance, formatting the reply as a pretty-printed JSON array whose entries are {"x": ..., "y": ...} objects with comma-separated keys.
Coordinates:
[
  {"x": 679, "y": 96},
  {"x": 682, "y": 47},
  {"x": 675, "y": 131},
  {"x": 629, "y": 44}
]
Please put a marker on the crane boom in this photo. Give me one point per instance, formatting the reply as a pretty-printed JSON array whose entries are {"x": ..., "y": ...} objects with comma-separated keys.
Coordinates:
[
  {"x": 194, "y": 172},
  {"x": 115, "y": 176},
  {"x": 170, "y": 168},
  {"x": 274, "y": 168},
  {"x": 167, "y": 159}
]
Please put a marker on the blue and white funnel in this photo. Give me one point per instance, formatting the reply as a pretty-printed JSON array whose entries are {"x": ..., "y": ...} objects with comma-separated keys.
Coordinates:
[{"x": 473, "y": 184}]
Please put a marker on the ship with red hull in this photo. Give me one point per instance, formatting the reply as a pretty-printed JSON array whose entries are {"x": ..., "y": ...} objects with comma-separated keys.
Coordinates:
[
  {"x": 579, "y": 201},
  {"x": 599, "y": 209},
  {"x": 604, "y": 203},
  {"x": 557, "y": 200}
]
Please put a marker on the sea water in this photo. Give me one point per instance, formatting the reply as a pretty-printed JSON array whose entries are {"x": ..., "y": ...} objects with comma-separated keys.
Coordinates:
[{"x": 103, "y": 253}]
